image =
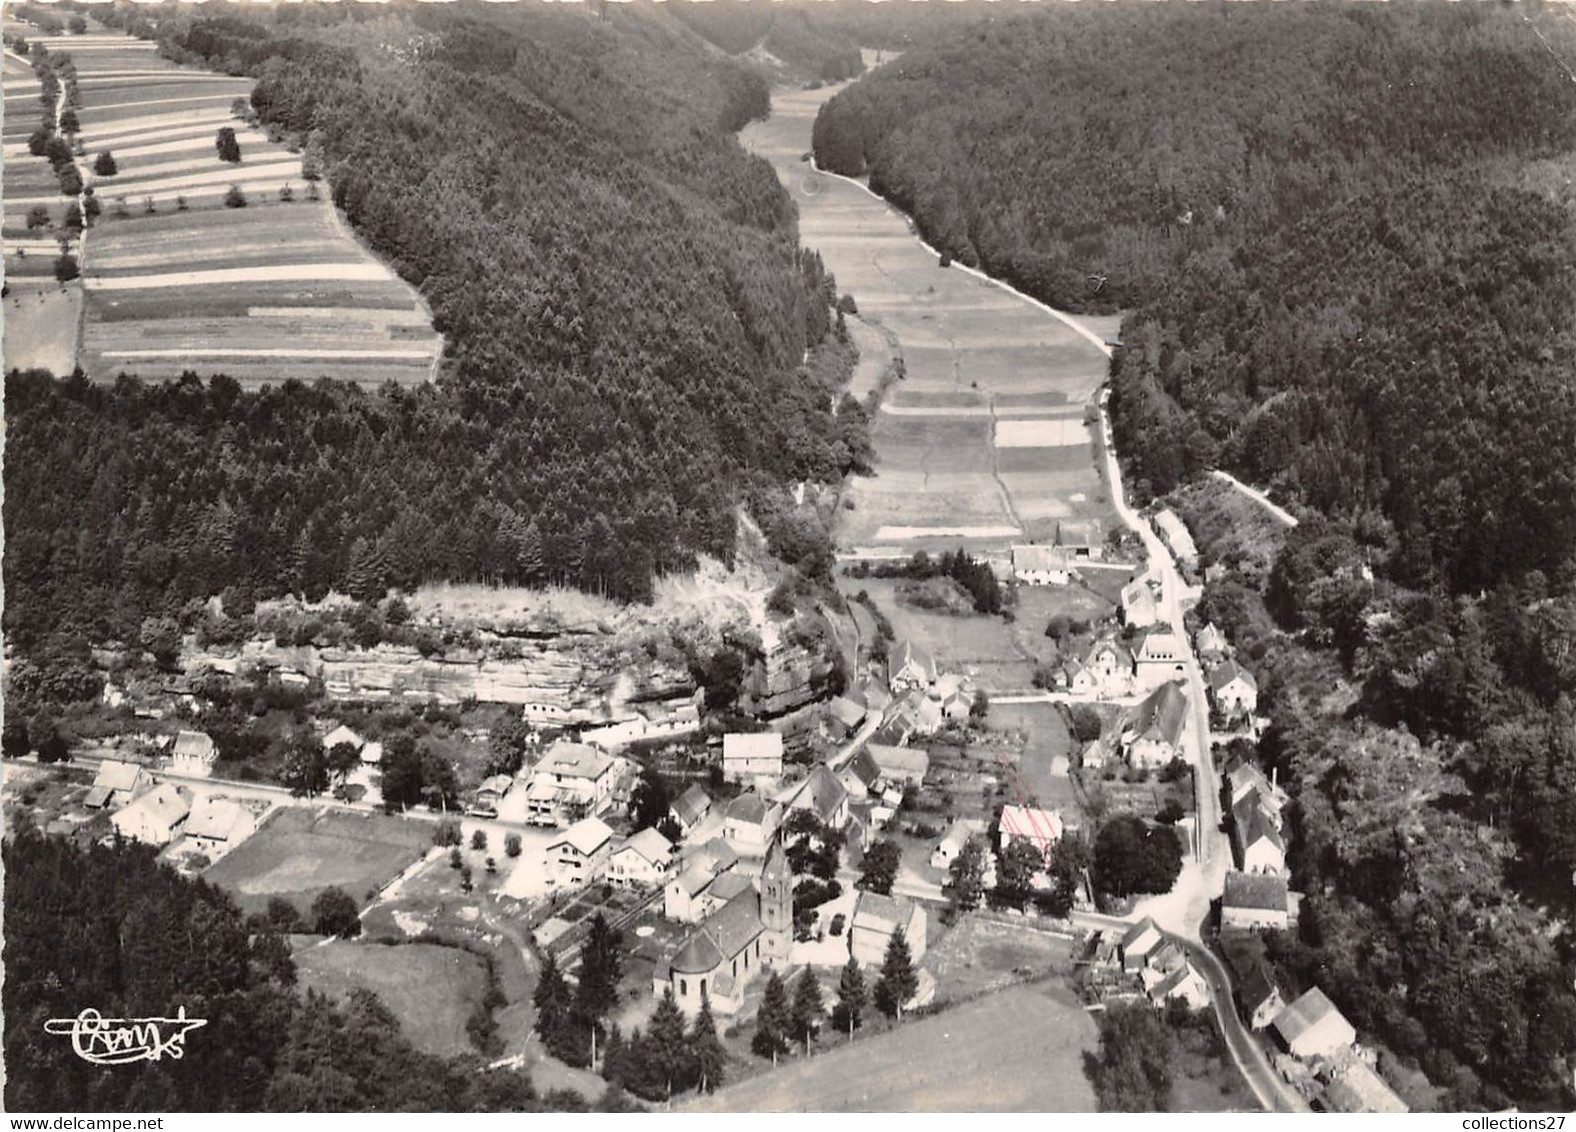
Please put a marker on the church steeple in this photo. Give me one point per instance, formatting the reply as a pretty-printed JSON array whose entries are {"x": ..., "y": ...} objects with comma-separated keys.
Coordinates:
[{"x": 777, "y": 902}]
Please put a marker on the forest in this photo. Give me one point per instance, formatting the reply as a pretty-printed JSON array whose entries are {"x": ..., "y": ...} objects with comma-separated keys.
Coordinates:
[
  {"x": 1349, "y": 272},
  {"x": 112, "y": 929},
  {"x": 625, "y": 307}
]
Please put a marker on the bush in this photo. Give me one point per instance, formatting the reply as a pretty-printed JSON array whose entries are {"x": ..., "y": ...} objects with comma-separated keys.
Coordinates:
[
  {"x": 37, "y": 217},
  {"x": 70, "y": 181},
  {"x": 229, "y": 149},
  {"x": 286, "y": 193},
  {"x": 511, "y": 845},
  {"x": 479, "y": 840},
  {"x": 334, "y": 912},
  {"x": 105, "y": 165},
  {"x": 66, "y": 268},
  {"x": 235, "y": 198}
]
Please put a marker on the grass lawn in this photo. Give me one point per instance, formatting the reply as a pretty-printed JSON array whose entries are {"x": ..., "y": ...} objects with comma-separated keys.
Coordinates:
[
  {"x": 1018, "y": 1050},
  {"x": 299, "y": 852},
  {"x": 978, "y": 955},
  {"x": 430, "y": 988},
  {"x": 41, "y": 327}
]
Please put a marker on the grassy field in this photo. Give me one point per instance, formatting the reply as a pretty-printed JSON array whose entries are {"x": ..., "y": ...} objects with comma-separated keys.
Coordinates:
[
  {"x": 984, "y": 440},
  {"x": 299, "y": 852},
  {"x": 176, "y": 281},
  {"x": 1018, "y": 1050},
  {"x": 978, "y": 956},
  {"x": 973, "y": 644},
  {"x": 430, "y": 988}
]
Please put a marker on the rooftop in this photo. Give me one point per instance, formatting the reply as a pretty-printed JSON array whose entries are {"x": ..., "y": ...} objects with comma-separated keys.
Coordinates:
[
  {"x": 576, "y": 760},
  {"x": 1162, "y": 715},
  {"x": 1304, "y": 1014},
  {"x": 1255, "y": 890},
  {"x": 1032, "y": 824},
  {"x": 651, "y": 845},
  {"x": 753, "y": 745},
  {"x": 585, "y": 836}
]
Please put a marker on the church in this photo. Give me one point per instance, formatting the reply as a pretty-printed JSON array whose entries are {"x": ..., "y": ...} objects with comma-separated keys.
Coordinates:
[{"x": 734, "y": 944}]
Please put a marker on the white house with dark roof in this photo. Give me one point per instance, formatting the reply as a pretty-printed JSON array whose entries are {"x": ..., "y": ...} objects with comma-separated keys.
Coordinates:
[
  {"x": 116, "y": 783},
  {"x": 1311, "y": 1027},
  {"x": 1034, "y": 565},
  {"x": 644, "y": 860},
  {"x": 1233, "y": 689},
  {"x": 746, "y": 757},
  {"x": 876, "y": 919},
  {"x": 1137, "y": 943},
  {"x": 750, "y": 823},
  {"x": 216, "y": 825},
  {"x": 1152, "y": 733},
  {"x": 1254, "y": 901},
  {"x": 580, "y": 854},
  {"x": 1256, "y": 836},
  {"x": 952, "y": 842}
]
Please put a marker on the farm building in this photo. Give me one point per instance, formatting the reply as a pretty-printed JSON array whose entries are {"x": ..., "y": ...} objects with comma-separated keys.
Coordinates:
[
  {"x": 902, "y": 766},
  {"x": 824, "y": 796},
  {"x": 1152, "y": 733},
  {"x": 193, "y": 755},
  {"x": 876, "y": 919},
  {"x": 580, "y": 854},
  {"x": 1161, "y": 658},
  {"x": 116, "y": 783},
  {"x": 217, "y": 824},
  {"x": 1253, "y": 901},
  {"x": 1137, "y": 943},
  {"x": 1040, "y": 828},
  {"x": 1040, "y": 566},
  {"x": 1312, "y": 1027},
  {"x": 747, "y": 756},
  {"x": 1174, "y": 531},
  {"x": 643, "y": 861},
  {"x": 154, "y": 818},
  {"x": 690, "y": 808},
  {"x": 1079, "y": 540}
]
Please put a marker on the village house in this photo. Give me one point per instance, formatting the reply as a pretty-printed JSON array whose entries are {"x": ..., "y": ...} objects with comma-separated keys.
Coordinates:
[
  {"x": 115, "y": 784},
  {"x": 1110, "y": 665},
  {"x": 952, "y": 842},
  {"x": 901, "y": 766},
  {"x": 688, "y": 896},
  {"x": 1138, "y": 604},
  {"x": 751, "y": 756},
  {"x": 1354, "y": 1087},
  {"x": 1075, "y": 678},
  {"x": 193, "y": 755},
  {"x": 1040, "y": 566},
  {"x": 861, "y": 777},
  {"x": 1182, "y": 984},
  {"x": 1094, "y": 754},
  {"x": 617, "y": 733},
  {"x": 343, "y": 734},
  {"x": 580, "y": 854},
  {"x": 1258, "y": 997},
  {"x": 1078, "y": 540},
  {"x": 690, "y": 808},
  {"x": 824, "y": 796},
  {"x": 1256, "y": 836},
  {"x": 154, "y": 818},
  {"x": 1312, "y": 1027},
  {"x": 493, "y": 789},
  {"x": 643, "y": 861},
  {"x": 1254, "y": 901},
  {"x": 1040, "y": 828},
  {"x": 844, "y": 716},
  {"x": 1152, "y": 733},
  {"x": 1177, "y": 539},
  {"x": 733, "y": 944},
  {"x": 218, "y": 824},
  {"x": 1137, "y": 942},
  {"x": 909, "y": 668},
  {"x": 571, "y": 782},
  {"x": 1244, "y": 778},
  {"x": 1160, "y": 659},
  {"x": 876, "y": 919},
  {"x": 1211, "y": 644},
  {"x": 1233, "y": 689},
  {"x": 750, "y": 823}
]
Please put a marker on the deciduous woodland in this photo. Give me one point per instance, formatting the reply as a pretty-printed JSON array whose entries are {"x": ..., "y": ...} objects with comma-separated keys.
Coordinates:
[
  {"x": 1349, "y": 280},
  {"x": 626, "y": 311}
]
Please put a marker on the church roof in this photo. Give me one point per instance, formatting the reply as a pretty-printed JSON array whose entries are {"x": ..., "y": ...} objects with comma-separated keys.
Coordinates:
[{"x": 721, "y": 936}]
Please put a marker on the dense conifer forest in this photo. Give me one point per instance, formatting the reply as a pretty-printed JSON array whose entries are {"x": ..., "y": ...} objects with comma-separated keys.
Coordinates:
[
  {"x": 112, "y": 929},
  {"x": 626, "y": 310},
  {"x": 1345, "y": 239}
]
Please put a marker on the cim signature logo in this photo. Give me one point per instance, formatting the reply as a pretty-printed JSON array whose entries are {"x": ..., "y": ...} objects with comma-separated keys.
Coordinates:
[{"x": 121, "y": 1041}]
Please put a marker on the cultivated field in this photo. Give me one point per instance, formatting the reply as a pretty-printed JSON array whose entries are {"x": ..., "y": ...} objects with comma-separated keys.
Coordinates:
[
  {"x": 984, "y": 441},
  {"x": 174, "y": 279},
  {"x": 1018, "y": 1050},
  {"x": 431, "y": 989},
  {"x": 298, "y": 853}
]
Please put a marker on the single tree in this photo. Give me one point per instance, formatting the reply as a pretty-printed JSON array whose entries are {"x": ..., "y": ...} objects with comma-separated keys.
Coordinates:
[
  {"x": 774, "y": 1021},
  {"x": 980, "y": 708},
  {"x": 455, "y": 860},
  {"x": 511, "y": 844},
  {"x": 104, "y": 164},
  {"x": 552, "y": 1000},
  {"x": 37, "y": 217},
  {"x": 479, "y": 840},
  {"x": 808, "y": 1008},
  {"x": 880, "y": 866},
  {"x": 1016, "y": 867},
  {"x": 968, "y": 875},
  {"x": 342, "y": 758},
  {"x": 69, "y": 124},
  {"x": 851, "y": 998},
  {"x": 898, "y": 981},
  {"x": 286, "y": 193},
  {"x": 666, "y": 1048},
  {"x": 70, "y": 181},
  {"x": 601, "y": 964},
  {"x": 229, "y": 149},
  {"x": 334, "y": 913},
  {"x": 71, "y": 221},
  {"x": 46, "y": 739},
  {"x": 283, "y": 916},
  {"x": 234, "y": 197},
  {"x": 466, "y": 883},
  {"x": 708, "y": 1061}
]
